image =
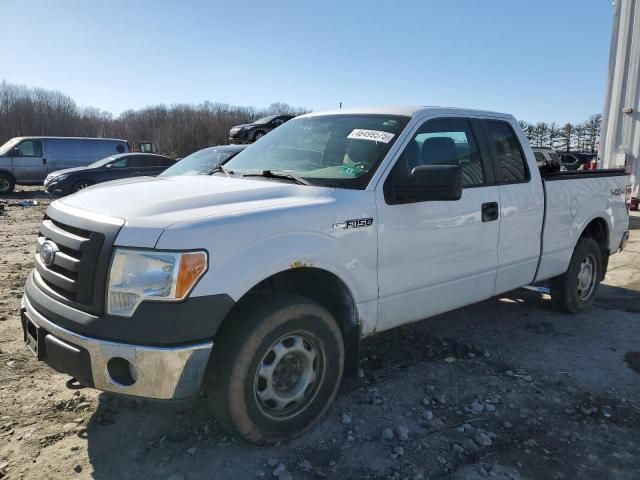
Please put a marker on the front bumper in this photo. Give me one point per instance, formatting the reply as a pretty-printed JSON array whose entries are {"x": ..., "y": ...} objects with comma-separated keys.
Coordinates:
[
  {"x": 55, "y": 187},
  {"x": 240, "y": 137},
  {"x": 167, "y": 373}
]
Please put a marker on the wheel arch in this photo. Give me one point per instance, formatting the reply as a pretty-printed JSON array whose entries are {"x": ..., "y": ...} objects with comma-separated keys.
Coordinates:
[
  {"x": 325, "y": 288},
  {"x": 598, "y": 229},
  {"x": 8, "y": 173}
]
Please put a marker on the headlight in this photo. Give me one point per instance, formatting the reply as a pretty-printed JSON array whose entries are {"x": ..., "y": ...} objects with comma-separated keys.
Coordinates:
[
  {"x": 58, "y": 178},
  {"x": 138, "y": 275}
]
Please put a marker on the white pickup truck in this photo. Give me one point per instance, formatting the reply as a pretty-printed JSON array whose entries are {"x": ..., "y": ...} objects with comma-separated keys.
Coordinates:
[{"x": 256, "y": 283}]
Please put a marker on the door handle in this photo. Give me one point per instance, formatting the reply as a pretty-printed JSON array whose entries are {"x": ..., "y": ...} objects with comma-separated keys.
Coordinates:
[{"x": 490, "y": 211}]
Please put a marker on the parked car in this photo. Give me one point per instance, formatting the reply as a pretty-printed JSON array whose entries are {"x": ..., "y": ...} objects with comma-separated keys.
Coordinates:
[
  {"x": 203, "y": 161},
  {"x": 125, "y": 165},
  {"x": 251, "y": 132},
  {"x": 548, "y": 160},
  {"x": 258, "y": 282},
  {"x": 579, "y": 161},
  {"x": 28, "y": 160}
]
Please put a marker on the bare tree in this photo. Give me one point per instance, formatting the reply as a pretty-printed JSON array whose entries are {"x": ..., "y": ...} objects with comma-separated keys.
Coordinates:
[
  {"x": 177, "y": 129},
  {"x": 567, "y": 134}
]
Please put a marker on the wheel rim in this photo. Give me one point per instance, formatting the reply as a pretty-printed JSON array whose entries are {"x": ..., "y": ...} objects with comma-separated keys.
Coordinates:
[
  {"x": 288, "y": 376},
  {"x": 586, "y": 280},
  {"x": 82, "y": 186},
  {"x": 5, "y": 185},
  {"x": 259, "y": 135}
]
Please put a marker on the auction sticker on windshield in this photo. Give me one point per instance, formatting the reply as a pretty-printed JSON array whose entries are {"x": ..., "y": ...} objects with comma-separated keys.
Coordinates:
[{"x": 374, "y": 135}]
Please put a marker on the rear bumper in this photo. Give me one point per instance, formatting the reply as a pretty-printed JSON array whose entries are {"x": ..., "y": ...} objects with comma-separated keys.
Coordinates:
[{"x": 166, "y": 373}]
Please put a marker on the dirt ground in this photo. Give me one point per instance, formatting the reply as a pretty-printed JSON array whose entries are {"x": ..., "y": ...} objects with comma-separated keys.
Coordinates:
[{"x": 509, "y": 388}]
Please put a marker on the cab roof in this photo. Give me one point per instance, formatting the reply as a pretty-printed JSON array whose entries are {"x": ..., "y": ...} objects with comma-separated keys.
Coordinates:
[{"x": 408, "y": 111}]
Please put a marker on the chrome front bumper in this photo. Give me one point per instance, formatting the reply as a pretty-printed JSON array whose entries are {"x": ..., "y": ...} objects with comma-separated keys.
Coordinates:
[{"x": 167, "y": 373}]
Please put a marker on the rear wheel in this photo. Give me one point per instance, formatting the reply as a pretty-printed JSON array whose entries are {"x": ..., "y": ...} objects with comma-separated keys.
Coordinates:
[
  {"x": 7, "y": 184},
  {"x": 575, "y": 290},
  {"x": 81, "y": 185},
  {"x": 275, "y": 368}
]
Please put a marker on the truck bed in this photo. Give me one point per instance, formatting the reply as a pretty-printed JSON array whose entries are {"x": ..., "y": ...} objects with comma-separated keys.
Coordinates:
[{"x": 572, "y": 200}]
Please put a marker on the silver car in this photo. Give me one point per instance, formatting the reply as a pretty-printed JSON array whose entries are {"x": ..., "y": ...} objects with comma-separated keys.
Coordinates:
[{"x": 28, "y": 160}]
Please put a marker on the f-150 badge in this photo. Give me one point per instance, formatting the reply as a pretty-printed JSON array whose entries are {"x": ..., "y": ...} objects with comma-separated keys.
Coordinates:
[{"x": 355, "y": 223}]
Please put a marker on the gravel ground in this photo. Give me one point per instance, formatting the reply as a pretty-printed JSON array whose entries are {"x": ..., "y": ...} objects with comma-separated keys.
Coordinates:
[{"x": 509, "y": 388}]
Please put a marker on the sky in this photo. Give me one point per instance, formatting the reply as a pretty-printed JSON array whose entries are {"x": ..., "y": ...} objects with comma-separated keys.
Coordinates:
[{"x": 541, "y": 60}]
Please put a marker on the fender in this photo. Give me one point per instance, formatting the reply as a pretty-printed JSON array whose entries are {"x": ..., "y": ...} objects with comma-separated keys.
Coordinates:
[
  {"x": 267, "y": 256},
  {"x": 7, "y": 172}
]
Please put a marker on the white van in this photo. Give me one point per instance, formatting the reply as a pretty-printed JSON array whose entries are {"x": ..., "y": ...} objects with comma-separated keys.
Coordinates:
[{"x": 28, "y": 160}]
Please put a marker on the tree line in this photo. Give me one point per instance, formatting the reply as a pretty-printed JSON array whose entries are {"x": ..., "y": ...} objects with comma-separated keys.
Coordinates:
[
  {"x": 579, "y": 137},
  {"x": 181, "y": 129},
  {"x": 178, "y": 129}
]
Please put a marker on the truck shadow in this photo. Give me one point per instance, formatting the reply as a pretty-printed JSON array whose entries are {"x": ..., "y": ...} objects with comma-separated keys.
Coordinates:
[{"x": 130, "y": 438}]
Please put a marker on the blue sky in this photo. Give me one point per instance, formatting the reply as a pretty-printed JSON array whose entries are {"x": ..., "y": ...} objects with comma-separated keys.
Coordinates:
[{"x": 538, "y": 59}]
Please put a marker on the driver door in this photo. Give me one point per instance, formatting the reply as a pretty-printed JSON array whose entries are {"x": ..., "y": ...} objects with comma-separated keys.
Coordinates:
[
  {"x": 434, "y": 256},
  {"x": 29, "y": 162}
]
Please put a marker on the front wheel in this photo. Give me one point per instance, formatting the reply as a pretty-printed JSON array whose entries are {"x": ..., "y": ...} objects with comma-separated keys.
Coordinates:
[
  {"x": 575, "y": 290},
  {"x": 81, "y": 185},
  {"x": 6, "y": 184},
  {"x": 275, "y": 368},
  {"x": 258, "y": 135}
]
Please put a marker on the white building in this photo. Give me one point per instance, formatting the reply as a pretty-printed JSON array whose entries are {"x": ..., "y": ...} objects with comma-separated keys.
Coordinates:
[{"x": 620, "y": 138}]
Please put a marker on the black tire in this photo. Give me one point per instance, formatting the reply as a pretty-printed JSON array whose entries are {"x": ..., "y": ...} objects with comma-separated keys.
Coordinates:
[
  {"x": 258, "y": 135},
  {"x": 243, "y": 348},
  {"x": 81, "y": 185},
  {"x": 570, "y": 291},
  {"x": 7, "y": 184}
]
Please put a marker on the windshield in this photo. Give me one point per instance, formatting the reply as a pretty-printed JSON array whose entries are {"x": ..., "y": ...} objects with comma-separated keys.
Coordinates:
[
  {"x": 102, "y": 163},
  {"x": 333, "y": 150},
  {"x": 264, "y": 120},
  {"x": 4, "y": 149},
  {"x": 199, "y": 163}
]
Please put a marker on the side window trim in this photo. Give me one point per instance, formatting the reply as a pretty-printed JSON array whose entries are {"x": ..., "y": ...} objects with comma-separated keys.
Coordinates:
[
  {"x": 490, "y": 174},
  {"x": 494, "y": 153}
]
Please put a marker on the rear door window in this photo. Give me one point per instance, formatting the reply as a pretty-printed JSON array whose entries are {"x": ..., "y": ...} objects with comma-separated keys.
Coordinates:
[{"x": 509, "y": 158}]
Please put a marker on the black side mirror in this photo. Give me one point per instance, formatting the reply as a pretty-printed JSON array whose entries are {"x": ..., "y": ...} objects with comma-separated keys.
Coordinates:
[
  {"x": 15, "y": 152},
  {"x": 428, "y": 183}
]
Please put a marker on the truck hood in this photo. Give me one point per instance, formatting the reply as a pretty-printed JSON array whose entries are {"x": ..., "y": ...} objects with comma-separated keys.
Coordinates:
[{"x": 157, "y": 203}]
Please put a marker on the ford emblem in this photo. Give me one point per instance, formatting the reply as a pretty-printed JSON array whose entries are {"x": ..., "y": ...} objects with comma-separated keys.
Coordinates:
[{"x": 48, "y": 252}]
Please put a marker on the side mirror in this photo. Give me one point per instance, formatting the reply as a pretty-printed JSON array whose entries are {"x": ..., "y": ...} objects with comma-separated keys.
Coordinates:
[
  {"x": 108, "y": 165},
  {"x": 428, "y": 183},
  {"x": 14, "y": 152}
]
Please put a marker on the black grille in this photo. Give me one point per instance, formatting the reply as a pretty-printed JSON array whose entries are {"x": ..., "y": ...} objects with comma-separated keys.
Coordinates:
[{"x": 77, "y": 275}]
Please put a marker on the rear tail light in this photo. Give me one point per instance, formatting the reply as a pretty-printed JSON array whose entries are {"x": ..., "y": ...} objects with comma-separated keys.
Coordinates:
[
  {"x": 593, "y": 164},
  {"x": 627, "y": 197}
]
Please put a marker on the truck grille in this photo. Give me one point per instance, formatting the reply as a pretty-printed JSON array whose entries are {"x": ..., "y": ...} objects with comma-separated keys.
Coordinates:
[{"x": 77, "y": 274}]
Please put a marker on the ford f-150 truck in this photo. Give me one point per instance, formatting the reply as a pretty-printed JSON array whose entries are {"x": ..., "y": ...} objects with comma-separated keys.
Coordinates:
[{"x": 257, "y": 283}]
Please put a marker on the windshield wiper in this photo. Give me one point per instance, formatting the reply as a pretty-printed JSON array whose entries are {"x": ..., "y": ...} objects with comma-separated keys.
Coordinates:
[
  {"x": 279, "y": 175},
  {"x": 220, "y": 168}
]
